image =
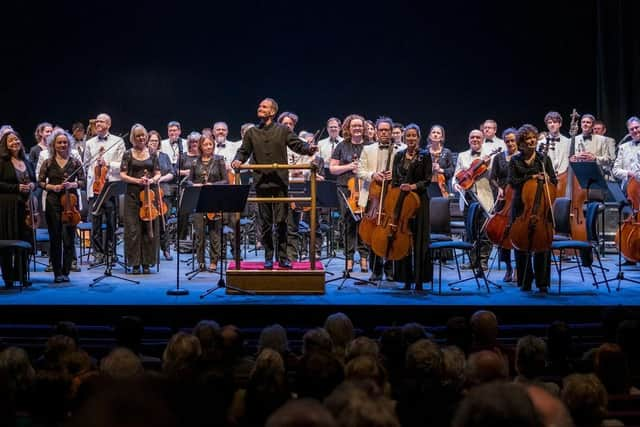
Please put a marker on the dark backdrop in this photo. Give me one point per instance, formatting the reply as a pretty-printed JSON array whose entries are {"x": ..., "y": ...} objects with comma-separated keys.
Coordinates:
[{"x": 454, "y": 62}]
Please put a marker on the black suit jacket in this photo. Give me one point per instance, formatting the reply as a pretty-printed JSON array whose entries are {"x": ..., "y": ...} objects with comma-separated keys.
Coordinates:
[{"x": 268, "y": 145}]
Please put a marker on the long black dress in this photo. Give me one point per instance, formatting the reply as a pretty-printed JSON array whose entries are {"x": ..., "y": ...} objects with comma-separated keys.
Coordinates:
[
  {"x": 416, "y": 267},
  {"x": 12, "y": 216}
]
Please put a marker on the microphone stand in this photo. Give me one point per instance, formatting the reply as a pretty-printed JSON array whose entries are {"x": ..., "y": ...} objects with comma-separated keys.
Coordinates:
[{"x": 178, "y": 291}]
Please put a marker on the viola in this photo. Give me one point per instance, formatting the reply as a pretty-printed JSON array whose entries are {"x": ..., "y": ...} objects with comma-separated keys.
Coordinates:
[
  {"x": 148, "y": 211},
  {"x": 498, "y": 225},
  {"x": 392, "y": 238},
  {"x": 100, "y": 175},
  {"x": 69, "y": 201},
  {"x": 467, "y": 177}
]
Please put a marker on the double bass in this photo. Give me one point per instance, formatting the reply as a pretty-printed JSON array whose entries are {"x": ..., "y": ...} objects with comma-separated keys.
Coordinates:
[
  {"x": 575, "y": 193},
  {"x": 628, "y": 236}
]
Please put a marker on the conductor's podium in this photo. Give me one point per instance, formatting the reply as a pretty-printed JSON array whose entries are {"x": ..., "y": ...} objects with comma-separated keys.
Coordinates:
[{"x": 252, "y": 277}]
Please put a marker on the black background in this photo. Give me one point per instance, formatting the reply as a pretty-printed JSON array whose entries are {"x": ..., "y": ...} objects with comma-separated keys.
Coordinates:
[{"x": 455, "y": 63}]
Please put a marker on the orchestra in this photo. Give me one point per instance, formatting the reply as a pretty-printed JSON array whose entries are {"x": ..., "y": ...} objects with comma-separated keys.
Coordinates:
[{"x": 371, "y": 162}]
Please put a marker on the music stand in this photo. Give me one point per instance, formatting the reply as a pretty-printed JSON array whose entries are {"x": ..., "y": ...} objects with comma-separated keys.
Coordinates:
[
  {"x": 112, "y": 189},
  {"x": 222, "y": 198},
  {"x": 589, "y": 175},
  {"x": 327, "y": 197}
]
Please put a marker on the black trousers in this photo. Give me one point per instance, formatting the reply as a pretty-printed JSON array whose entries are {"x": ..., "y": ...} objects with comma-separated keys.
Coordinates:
[
  {"x": 140, "y": 246},
  {"x": 271, "y": 214},
  {"x": 541, "y": 265},
  {"x": 62, "y": 250},
  {"x": 205, "y": 229},
  {"x": 107, "y": 214},
  {"x": 351, "y": 239}
]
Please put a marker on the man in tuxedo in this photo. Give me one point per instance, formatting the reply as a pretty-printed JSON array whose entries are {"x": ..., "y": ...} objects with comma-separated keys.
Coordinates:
[
  {"x": 327, "y": 145},
  {"x": 600, "y": 128},
  {"x": 491, "y": 141},
  {"x": 267, "y": 143},
  {"x": 589, "y": 146}
]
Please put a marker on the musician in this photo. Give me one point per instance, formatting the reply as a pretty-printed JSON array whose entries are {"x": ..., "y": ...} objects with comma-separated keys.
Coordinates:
[
  {"x": 79, "y": 137},
  {"x": 523, "y": 166},
  {"x": 225, "y": 148},
  {"x": 140, "y": 170},
  {"x": 167, "y": 174},
  {"x": 559, "y": 145},
  {"x": 627, "y": 164},
  {"x": 42, "y": 132},
  {"x": 208, "y": 169},
  {"x": 104, "y": 149},
  {"x": 491, "y": 141},
  {"x": 369, "y": 132},
  {"x": 600, "y": 128},
  {"x": 174, "y": 145},
  {"x": 268, "y": 142},
  {"x": 344, "y": 164},
  {"x": 480, "y": 191},
  {"x": 412, "y": 171},
  {"x": 591, "y": 147},
  {"x": 441, "y": 159},
  {"x": 17, "y": 181},
  {"x": 397, "y": 136},
  {"x": 376, "y": 164},
  {"x": 60, "y": 174},
  {"x": 499, "y": 177},
  {"x": 186, "y": 161},
  {"x": 328, "y": 144}
]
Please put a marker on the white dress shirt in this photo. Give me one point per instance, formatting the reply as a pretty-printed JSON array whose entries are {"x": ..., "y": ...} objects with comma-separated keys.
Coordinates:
[
  {"x": 558, "y": 153},
  {"x": 326, "y": 146},
  {"x": 171, "y": 150},
  {"x": 482, "y": 187},
  {"x": 114, "y": 149},
  {"x": 628, "y": 160},
  {"x": 371, "y": 162},
  {"x": 494, "y": 144},
  {"x": 228, "y": 151},
  {"x": 596, "y": 146}
]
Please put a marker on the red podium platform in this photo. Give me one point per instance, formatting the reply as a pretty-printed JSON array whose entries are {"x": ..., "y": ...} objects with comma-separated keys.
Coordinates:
[{"x": 252, "y": 277}]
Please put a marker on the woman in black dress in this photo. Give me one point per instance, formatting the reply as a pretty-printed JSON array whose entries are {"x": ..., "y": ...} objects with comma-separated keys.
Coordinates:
[
  {"x": 412, "y": 171},
  {"x": 138, "y": 169},
  {"x": 208, "y": 169},
  {"x": 17, "y": 181},
  {"x": 60, "y": 174},
  {"x": 166, "y": 177}
]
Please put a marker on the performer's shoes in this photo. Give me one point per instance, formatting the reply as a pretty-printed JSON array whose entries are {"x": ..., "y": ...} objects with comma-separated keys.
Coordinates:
[
  {"x": 508, "y": 276},
  {"x": 58, "y": 279},
  {"x": 136, "y": 270},
  {"x": 364, "y": 267},
  {"x": 145, "y": 269},
  {"x": 8, "y": 284},
  {"x": 201, "y": 267},
  {"x": 268, "y": 265},
  {"x": 407, "y": 287},
  {"x": 49, "y": 268},
  {"x": 74, "y": 266},
  {"x": 167, "y": 255},
  {"x": 65, "y": 278},
  {"x": 285, "y": 263},
  {"x": 349, "y": 265},
  {"x": 26, "y": 283}
]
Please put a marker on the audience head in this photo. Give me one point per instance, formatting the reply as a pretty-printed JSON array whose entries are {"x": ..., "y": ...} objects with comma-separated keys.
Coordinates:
[
  {"x": 412, "y": 332},
  {"x": 550, "y": 409},
  {"x": 612, "y": 368},
  {"x": 181, "y": 355},
  {"x": 275, "y": 338},
  {"x": 340, "y": 329},
  {"x": 424, "y": 360},
  {"x": 15, "y": 364},
  {"x": 585, "y": 398},
  {"x": 315, "y": 340},
  {"x": 301, "y": 413},
  {"x": 485, "y": 366},
  {"x": 558, "y": 341},
  {"x": 68, "y": 329},
  {"x": 121, "y": 364},
  {"x": 530, "y": 357},
  {"x": 366, "y": 368},
  {"x": 362, "y": 346},
  {"x": 208, "y": 333},
  {"x": 57, "y": 349},
  {"x": 233, "y": 342},
  {"x": 361, "y": 404},
  {"x": 484, "y": 328},
  {"x": 453, "y": 367}
]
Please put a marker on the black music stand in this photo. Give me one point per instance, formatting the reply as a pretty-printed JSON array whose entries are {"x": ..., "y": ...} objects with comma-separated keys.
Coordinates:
[
  {"x": 112, "y": 189},
  {"x": 217, "y": 198},
  {"x": 327, "y": 197},
  {"x": 590, "y": 177}
]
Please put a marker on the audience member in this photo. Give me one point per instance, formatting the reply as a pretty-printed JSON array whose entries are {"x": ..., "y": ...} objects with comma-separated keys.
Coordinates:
[
  {"x": 530, "y": 363},
  {"x": 362, "y": 346},
  {"x": 361, "y": 404},
  {"x": 340, "y": 329},
  {"x": 301, "y": 413},
  {"x": 612, "y": 368},
  {"x": 121, "y": 364},
  {"x": 586, "y": 399},
  {"x": 485, "y": 366},
  {"x": 559, "y": 349},
  {"x": 550, "y": 409}
]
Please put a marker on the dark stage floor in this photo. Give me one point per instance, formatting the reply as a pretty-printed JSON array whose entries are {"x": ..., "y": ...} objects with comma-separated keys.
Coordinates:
[{"x": 387, "y": 303}]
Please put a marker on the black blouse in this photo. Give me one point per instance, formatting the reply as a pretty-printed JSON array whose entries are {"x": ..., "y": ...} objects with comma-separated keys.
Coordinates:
[
  {"x": 213, "y": 171},
  {"x": 520, "y": 172},
  {"x": 445, "y": 161},
  {"x": 346, "y": 152},
  {"x": 52, "y": 173},
  {"x": 499, "y": 175},
  {"x": 415, "y": 171},
  {"x": 137, "y": 168}
]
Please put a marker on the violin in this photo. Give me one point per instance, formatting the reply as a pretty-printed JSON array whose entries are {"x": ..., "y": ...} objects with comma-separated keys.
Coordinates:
[
  {"x": 392, "y": 238},
  {"x": 467, "y": 177},
  {"x": 533, "y": 230},
  {"x": 69, "y": 201},
  {"x": 354, "y": 184},
  {"x": 497, "y": 227},
  {"x": 575, "y": 193},
  {"x": 100, "y": 175},
  {"x": 442, "y": 185},
  {"x": 148, "y": 211}
]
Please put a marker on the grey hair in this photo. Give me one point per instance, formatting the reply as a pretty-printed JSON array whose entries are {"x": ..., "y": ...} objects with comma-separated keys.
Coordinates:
[{"x": 52, "y": 138}]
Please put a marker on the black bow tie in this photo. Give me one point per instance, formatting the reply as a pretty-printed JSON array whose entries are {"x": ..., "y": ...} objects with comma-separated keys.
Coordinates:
[
  {"x": 102, "y": 138},
  {"x": 556, "y": 139},
  {"x": 488, "y": 140},
  {"x": 383, "y": 147},
  {"x": 475, "y": 153},
  {"x": 221, "y": 145},
  {"x": 586, "y": 137}
]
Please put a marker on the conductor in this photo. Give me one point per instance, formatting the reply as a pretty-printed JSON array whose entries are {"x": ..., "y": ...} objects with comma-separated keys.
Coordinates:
[{"x": 267, "y": 143}]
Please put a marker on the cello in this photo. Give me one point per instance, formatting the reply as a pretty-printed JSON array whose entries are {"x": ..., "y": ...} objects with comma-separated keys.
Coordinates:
[
  {"x": 374, "y": 213},
  {"x": 498, "y": 225},
  {"x": 628, "y": 236}
]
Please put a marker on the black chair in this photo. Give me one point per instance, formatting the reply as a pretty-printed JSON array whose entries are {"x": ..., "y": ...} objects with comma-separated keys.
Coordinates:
[
  {"x": 17, "y": 249},
  {"x": 591, "y": 219},
  {"x": 454, "y": 245},
  {"x": 440, "y": 219}
]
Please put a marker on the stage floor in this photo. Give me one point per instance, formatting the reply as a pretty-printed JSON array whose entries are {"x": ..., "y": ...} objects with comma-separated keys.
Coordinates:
[{"x": 150, "y": 296}]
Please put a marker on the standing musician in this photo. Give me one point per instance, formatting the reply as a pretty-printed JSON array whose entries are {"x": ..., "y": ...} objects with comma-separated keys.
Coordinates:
[
  {"x": 42, "y": 132},
  {"x": 442, "y": 161},
  {"x": 412, "y": 171},
  {"x": 167, "y": 175},
  {"x": 480, "y": 191},
  {"x": 103, "y": 154},
  {"x": 59, "y": 174},
  {"x": 186, "y": 160},
  {"x": 491, "y": 141},
  {"x": 208, "y": 169},
  {"x": 17, "y": 181},
  {"x": 373, "y": 167},
  {"x": 499, "y": 177},
  {"x": 344, "y": 164},
  {"x": 591, "y": 147},
  {"x": 627, "y": 164},
  {"x": 140, "y": 170},
  {"x": 328, "y": 144},
  {"x": 529, "y": 164},
  {"x": 268, "y": 144},
  {"x": 559, "y": 146}
]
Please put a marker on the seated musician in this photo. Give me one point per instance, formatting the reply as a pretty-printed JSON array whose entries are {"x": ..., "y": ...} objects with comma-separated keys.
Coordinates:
[
  {"x": 480, "y": 192},
  {"x": 412, "y": 172},
  {"x": 524, "y": 166},
  {"x": 499, "y": 177},
  {"x": 344, "y": 164},
  {"x": 208, "y": 169},
  {"x": 442, "y": 161}
]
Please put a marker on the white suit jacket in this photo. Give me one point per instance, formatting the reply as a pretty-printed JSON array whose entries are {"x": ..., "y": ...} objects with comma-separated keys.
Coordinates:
[{"x": 370, "y": 162}]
